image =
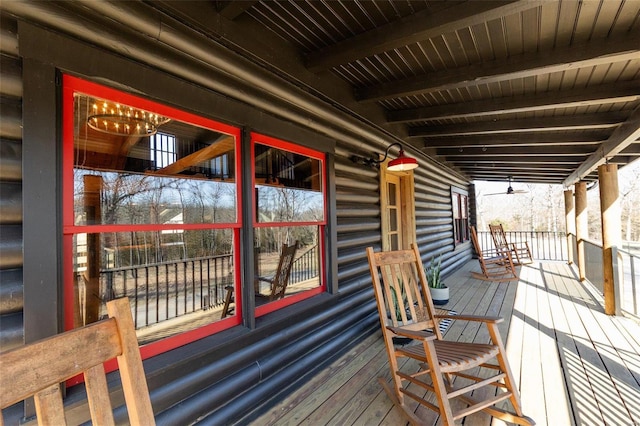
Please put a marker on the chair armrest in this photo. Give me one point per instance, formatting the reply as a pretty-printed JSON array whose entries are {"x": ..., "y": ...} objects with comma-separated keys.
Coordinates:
[
  {"x": 265, "y": 279},
  {"x": 477, "y": 318},
  {"x": 412, "y": 334}
]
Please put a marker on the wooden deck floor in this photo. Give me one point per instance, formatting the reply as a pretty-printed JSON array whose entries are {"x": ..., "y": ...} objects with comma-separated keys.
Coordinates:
[{"x": 575, "y": 365}]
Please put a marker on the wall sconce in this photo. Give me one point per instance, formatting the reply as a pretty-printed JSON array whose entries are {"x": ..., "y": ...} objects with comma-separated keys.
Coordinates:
[{"x": 401, "y": 164}]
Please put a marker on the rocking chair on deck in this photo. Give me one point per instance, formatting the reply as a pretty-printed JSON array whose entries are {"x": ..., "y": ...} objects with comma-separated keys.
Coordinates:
[
  {"x": 497, "y": 266},
  {"x": 406, "y": 310},
  {"x": 277, "y": 284},
  {"x": 520, "y": 251}
]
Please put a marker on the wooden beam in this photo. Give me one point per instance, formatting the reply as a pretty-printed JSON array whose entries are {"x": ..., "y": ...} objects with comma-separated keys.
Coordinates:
[
  {"x": 627, "y": 91},
  {"x": 524, "y": 168},
  {"x": 621, "y": 138},
  {"x": 223, "y": 145},
  {"x": 418, "y": 27},
  {"x": 520, "y": 139},
  {"x": 604, "y": 120},
  {"x": 518, "y": 159},
  {"x": 583, "y": 150},
  {"x": 572, "y": 57}
]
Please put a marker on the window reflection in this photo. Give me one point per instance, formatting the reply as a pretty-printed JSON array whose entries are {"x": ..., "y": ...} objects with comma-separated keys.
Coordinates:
[
  {"x": 160, "y": 196},
  {"x": 290, "y": 213},
  {"x": 289, "y": 186},
  {"x": 304, "y": 275},
  {"x": 171, "y": 285},
  {"x": 143, "y": 179}
]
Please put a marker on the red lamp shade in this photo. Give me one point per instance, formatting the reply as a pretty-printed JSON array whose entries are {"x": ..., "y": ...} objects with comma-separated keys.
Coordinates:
[{"x": 402, "y": 163}]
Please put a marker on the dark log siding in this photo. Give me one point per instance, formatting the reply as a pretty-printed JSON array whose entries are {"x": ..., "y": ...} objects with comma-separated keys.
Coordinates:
[
  {"x": 11, "y": 294},
  {"x": 231, "y": 376}
]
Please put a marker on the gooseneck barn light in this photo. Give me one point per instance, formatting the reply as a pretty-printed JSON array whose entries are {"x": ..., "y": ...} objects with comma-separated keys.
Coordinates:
[{"x": 401, "y": 164}]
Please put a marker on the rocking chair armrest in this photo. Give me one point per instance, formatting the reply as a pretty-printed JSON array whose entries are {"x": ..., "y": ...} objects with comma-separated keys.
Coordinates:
[
  {"x": 265, "y": 279},
  {"x": 477, "y": 318},
  {"x": 413, "y": 334}
]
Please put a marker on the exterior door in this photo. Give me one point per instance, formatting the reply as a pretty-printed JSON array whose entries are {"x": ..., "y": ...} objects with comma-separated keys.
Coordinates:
[{"x": 393, "y": 233}]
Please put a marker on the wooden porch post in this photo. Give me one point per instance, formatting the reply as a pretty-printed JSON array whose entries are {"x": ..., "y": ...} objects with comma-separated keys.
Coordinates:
[
  {"x": 611, "y": 230},
  {"x": 582, "y": 226},
  {"x": 570, "y": 223}
]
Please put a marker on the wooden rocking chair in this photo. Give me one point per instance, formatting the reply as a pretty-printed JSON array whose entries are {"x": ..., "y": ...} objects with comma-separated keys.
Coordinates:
[
  {"x": 406, "y": 310},
  {"x": 38, "y": 369},
  {"x": 519, "y": 250},
  {"x": 496, "y": 266},
  {"x": 278, "y": 283}
]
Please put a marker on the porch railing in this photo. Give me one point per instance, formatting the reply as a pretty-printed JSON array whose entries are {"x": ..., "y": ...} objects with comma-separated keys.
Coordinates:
[
  {"x": 544, "y": 245},
  {"x": 626, "y": 275},
  {"x": 553, "y": 246},
  {"x": 166, "y": 290}
]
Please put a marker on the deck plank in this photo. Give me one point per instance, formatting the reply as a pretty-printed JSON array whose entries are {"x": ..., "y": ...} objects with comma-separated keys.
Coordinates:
[{"x": 573, "y": 364}]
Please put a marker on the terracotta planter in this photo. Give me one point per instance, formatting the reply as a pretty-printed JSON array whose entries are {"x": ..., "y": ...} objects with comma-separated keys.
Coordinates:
[{"x": 440, "y": 296}]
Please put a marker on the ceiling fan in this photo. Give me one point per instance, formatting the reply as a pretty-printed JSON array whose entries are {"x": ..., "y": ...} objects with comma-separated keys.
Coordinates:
[{"x": 510, "y": 190}]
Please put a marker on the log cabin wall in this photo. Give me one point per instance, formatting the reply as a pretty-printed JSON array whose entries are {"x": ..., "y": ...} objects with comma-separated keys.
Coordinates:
[
  {"x": 11, "y": 295},
  {"x": 229, "y": 376}
]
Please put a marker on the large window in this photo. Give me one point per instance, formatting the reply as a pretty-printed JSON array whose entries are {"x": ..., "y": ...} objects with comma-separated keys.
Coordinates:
[
  {"x": 289, "y": 208},
  {"x": 460, "y": 205},
  {"x": 151, "y": 212}
]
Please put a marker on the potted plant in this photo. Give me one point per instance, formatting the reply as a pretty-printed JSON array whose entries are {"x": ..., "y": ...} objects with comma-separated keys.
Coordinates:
[{"x": 439, "y": 291}]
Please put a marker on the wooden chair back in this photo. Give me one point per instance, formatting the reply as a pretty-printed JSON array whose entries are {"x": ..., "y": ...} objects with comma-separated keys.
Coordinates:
[
  {"x": 283, "y": 272},
  {"x": 37, "y": 370},
  {"x": 520, "y": 251},
  {"x": 476, "y": 243},
  {"x": 499, "y": 237},
  {"x": 402, "y": 294}
]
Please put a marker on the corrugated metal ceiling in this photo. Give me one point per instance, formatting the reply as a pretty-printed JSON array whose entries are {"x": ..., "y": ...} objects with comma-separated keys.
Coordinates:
[{"x": 541, "y": 90}]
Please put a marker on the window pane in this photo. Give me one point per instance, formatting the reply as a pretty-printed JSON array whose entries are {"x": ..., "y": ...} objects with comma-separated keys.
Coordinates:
[
  {"x": 175, "y": 280},
  {"x": 136, "y": 167},
  {"x": 455, "y": 200},
  {"x": 288, "y": 185},
  {"x": 108, "y": 198},
  {"x": 393, "y": 220},
  {"x": 305, "y": 269},
  {"x": 391, "y": 190}
]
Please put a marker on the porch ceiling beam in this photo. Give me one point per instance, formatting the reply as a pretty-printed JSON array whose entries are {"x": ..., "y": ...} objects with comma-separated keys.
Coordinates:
[
  {"x": 518, "y": 159},
  {"x": 624, "y": 159},
  {"x": 535, "y": 139},
  {"x": 412, "y": 29},
  {"x": 621, "y": 138},
  {"x": 536, "y": 124},
  {"x": 571, "y": 57},
  {"x": 518, "y": 150},
  {"x": 524, "y": 166},
  {"x": 596, "y": 95},
  {"x": 517, "y": 176},
  {"x": 524, "y": 180}
]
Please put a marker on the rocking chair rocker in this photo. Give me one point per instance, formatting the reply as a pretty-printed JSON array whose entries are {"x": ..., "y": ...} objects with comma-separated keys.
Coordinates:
[{"x": 406, "y": 310}]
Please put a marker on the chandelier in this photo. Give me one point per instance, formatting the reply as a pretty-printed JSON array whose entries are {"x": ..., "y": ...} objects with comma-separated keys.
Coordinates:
[{"x": 122, "y": 120}]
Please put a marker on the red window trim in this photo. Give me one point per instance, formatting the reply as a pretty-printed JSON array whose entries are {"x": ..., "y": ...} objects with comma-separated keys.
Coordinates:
[
  {"x": 311, "y": 153},
  {"x": 73, "y": 85}
]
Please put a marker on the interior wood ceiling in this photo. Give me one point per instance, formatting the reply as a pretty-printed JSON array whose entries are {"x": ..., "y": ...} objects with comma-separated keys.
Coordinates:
[{"x": 543, "y": 91}]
